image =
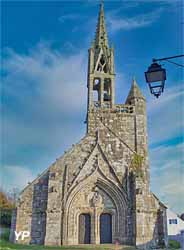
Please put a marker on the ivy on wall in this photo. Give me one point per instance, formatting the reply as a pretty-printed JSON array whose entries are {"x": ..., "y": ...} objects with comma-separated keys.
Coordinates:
[{"x": 136, "y": 165}]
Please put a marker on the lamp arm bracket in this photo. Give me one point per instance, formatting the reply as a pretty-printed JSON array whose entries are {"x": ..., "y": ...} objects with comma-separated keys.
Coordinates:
[{"x": 166, "y": 58}]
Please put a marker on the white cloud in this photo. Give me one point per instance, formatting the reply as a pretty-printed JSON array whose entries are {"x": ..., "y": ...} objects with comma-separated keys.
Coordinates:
[
  {"x": 165, "y": 115},
  {"x": 117, "y": 23},
  {"x": 167, "y": 174},
  {"x": 165, "y": 157},
  {"x": 44, "y": 103},
  {"x": 170, "y": 95},
  {"x": 165, "y": 123},
  {"x": 56, "y": 81},
  {"x": 16, "y": 177}
]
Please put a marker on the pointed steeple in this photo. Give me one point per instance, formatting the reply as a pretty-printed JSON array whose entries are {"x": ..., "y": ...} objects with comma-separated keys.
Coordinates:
[
  {"x": 101, "y": 72},
  {"x": 134, "y": 92},
  {"x": 101, "y": 34}
]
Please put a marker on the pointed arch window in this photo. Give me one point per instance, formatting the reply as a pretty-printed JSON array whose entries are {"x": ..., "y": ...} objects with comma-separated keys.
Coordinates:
[
  {"x": 102, "y": 65},
  {"x": 107, "y": 89},
  {"x": 96, "y": 86}
]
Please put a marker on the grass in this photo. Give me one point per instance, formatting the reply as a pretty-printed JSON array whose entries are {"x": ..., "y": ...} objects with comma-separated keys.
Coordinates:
[
  {"x": 9, "y": 246},
  {"x": 5, "y": 234},
  {"x": 174, "y": 244}
]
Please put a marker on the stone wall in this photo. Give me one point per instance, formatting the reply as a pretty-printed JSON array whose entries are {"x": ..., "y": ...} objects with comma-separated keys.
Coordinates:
[
  {"x": 31, "y": 210},
  {"x": 151, "y": 223},
  {"x": 62, "y": 175},
  {"x": 24, "y": 212},
  {"x": 122, "y": 124},
  {"x": 39, "y": 207},
  {"x": 91, "y": 160},
  {"x": 100, "y": 166}
]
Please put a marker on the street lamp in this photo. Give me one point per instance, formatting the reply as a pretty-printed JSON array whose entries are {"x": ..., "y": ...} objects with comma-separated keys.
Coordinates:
[{"x": 156, "y": 75}]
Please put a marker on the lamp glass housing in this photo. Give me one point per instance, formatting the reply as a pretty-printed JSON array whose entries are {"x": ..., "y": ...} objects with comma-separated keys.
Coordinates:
[
  {"x": 155, "y": 77},
  {"x": 155, "y": 73}
]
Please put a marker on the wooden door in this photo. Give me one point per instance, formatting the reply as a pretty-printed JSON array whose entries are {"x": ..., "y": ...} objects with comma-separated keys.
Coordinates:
[
  {"x": 84, "y": 229},
  {"x": 105, "y": 228}
]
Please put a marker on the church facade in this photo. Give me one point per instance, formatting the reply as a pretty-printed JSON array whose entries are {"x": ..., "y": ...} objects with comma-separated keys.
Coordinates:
[{"x": 99, "y": 191}]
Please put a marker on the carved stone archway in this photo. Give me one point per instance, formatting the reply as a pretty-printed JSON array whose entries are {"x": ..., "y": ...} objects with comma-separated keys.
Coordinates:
[{"x": 95, "y": 197}]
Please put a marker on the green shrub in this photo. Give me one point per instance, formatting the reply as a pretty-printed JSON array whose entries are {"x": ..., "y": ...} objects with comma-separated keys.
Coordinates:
[
  {"x": 5, "y": 234},
  {"x": 173, "y": 244},
  {"x": 5, "y": 217}
]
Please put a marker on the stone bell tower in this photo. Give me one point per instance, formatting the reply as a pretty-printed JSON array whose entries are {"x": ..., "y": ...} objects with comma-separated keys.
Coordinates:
[
  {"x": 101, "y": 68},
  {"x": 125, "y": 124}
]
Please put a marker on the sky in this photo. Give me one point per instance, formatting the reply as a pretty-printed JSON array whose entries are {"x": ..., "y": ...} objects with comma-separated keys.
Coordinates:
[{"x": 44, "y": 55}]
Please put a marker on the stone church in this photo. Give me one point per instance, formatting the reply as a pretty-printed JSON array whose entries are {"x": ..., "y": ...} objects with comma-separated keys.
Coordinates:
[{"x": 99, "y": 191}]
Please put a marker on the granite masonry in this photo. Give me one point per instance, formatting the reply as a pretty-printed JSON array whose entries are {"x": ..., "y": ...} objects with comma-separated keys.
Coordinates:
[{"x": 99, "y": 190}]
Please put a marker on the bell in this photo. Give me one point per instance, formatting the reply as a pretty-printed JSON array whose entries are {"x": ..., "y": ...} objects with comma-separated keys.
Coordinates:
[{"x": 106, "y": 97}]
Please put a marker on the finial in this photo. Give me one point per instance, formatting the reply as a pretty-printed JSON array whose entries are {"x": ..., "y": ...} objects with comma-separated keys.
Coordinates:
[
  {"x": 102, "y": 7},
  {"x": 102, "y": 3},
  {"x": 134, "y": 80}
]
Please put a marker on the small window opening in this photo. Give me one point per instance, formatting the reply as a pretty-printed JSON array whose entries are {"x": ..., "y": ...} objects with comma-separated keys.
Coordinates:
[
  {"x": 95, "y": 95},
  {"x": 106, "y": 96},
  {"x": 96, "y": 84},
  {"x": 102, "y": 60}
]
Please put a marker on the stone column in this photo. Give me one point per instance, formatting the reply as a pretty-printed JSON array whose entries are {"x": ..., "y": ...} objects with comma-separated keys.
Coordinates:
[
  {"x": 93, "y": 231},
  {"x": 97, "y": 227},
  {"x": 95, "y": 236},
  {"x": 90, "y": 91},
  {"x": 112, "y": 92},
  {"x": 101, "y": 91}
]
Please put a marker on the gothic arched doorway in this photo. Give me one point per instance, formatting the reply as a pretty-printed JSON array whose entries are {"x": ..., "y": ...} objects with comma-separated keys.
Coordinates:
[
  {"x": 105, "y": 228},
  {"x": 84, "y": 229}
]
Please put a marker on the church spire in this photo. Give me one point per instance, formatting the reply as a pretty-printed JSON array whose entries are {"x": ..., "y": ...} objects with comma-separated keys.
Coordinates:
[
  {"x": 101, "y": 34},
  {"x": 134, "y": 92},
  {"x": 101, "y": 73}
]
